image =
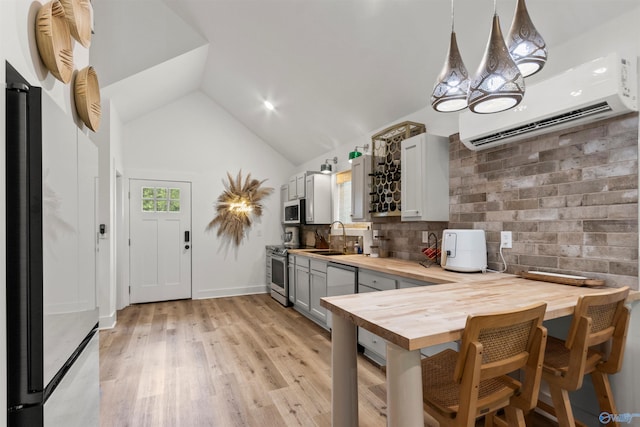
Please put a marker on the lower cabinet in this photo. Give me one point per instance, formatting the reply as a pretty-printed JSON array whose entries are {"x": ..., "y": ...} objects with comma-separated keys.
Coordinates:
[
  {"x": 311, "y": 285},
  {"x": 291, "y": 277},
  {"x": 302, "y": 284},
  {"x": 318, "y": 289},
  {"x": 375, "y": 348}
]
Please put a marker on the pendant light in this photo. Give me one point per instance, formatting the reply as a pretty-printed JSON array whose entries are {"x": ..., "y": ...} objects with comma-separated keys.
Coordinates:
[
  {"x": 526, "y": 46},
  {"x": 498, "y": 84},
  {"x": 450, "y": 91}
]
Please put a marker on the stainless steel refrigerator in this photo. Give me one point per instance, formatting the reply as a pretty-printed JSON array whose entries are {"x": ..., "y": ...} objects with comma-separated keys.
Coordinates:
[{"x": 52, "y": 319}]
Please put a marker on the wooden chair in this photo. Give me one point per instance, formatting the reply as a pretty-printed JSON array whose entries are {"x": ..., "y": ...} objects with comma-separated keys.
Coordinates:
[
  {"x": 597, "y": 319},
  {"x": 460, "y": 387}
]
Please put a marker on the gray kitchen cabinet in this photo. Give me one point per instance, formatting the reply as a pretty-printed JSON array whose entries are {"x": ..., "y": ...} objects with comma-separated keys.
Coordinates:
[
  {"x": 370, "y": 281},
  {"x": 425, "y": 178},
  {"x": 296, "y": 186},
  {"x": 375, "y": 347},
  {"x": 318, "y": 289},
  {"x": 375, "y": 280},
  {"x": 302, "y": 284},
  {"x": 291, "y": 277},
  {"x": 318, "y": 199},
  {"x": 409, "y": 283},
  {"x": 360, "y": 188}
]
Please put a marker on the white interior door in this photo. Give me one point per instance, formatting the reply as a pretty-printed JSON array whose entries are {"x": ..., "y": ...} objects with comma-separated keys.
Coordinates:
[{"x": 160, "y": 241}]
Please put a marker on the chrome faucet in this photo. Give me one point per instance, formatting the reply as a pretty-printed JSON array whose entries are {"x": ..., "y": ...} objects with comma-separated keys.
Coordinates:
[{"x": 344, "y": 236}]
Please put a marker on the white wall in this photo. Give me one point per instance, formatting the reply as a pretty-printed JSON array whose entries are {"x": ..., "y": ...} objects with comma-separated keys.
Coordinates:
[
  {"x": 194, "y": 139},
  {"x": 109, "y": 141}
]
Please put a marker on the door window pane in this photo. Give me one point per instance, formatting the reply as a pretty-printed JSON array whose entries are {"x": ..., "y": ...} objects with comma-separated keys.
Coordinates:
[
  {"x": 148, "y": 205},
  {"x": 148, "y": 193},
  {"x": 160, "y": 199},
  {"x": 161, "y": 205},
  {"x": 161, "y": 193}
]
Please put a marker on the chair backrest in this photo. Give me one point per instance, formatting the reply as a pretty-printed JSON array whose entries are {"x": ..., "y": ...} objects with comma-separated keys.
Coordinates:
[
  {"x": 506, "y": 342},
  {"x": 601, "y": 318}
]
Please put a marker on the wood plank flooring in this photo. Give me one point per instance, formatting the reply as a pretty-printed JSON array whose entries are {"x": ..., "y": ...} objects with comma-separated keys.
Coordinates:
[{"x": 239, "y": 361}]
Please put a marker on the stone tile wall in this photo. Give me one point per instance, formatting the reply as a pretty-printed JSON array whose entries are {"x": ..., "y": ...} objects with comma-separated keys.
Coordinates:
[{"x": 570, "y": 198}]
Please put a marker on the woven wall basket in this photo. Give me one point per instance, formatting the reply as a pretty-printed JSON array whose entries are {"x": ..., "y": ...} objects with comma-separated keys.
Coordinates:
[
  {"x": 87, "y": 97},
  {"x": 54, "y": 41},
  {"x": 78, "y": 14}
]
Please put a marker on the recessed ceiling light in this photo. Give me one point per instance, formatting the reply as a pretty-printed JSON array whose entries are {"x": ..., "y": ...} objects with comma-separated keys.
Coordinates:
[{"x": 269, "y": 105}]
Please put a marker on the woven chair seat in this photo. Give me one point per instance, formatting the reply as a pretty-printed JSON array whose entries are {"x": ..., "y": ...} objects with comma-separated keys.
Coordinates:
[
  {"x": 440, "y": 388},
  {"x": 556, "y": 357}
]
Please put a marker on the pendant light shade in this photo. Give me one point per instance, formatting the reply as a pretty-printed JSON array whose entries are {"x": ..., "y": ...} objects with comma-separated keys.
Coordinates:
[
  {"x": 526, "y": 46},
  {"x": 450, "y": 91},
  {"x": 498, "y": 84}
]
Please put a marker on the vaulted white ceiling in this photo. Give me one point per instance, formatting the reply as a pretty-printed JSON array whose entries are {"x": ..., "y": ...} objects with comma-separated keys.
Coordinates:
[{"x": 334, "y": 69}]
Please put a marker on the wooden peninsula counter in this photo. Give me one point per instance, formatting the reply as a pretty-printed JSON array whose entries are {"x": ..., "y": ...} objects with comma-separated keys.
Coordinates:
[{"x": 413, "y": 318}]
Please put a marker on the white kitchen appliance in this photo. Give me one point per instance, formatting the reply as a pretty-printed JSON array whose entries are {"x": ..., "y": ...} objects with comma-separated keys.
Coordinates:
[
  {"x": 604, "y": 87},
  {"x": 464, "y": 250}
]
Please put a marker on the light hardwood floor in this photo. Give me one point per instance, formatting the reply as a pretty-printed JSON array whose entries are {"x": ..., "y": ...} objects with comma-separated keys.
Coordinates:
[{"x": 239, "y": 361}]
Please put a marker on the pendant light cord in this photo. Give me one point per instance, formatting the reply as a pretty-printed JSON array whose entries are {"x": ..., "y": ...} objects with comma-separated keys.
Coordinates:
[{"x": 452, "y": 17}]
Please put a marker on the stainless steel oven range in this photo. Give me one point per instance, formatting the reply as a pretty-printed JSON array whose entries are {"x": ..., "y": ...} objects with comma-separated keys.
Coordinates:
[{"x": 277, "y": 273}]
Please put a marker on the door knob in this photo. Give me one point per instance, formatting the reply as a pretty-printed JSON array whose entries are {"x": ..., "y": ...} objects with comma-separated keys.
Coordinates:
[{"x": 186, "y": 246}]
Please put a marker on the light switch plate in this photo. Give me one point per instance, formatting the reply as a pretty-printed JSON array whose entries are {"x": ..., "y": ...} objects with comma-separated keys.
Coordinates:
[{"x": 425, "y": 237}]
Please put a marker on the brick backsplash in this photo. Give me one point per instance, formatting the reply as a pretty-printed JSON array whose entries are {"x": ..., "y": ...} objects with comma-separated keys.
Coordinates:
[
  {"x": 570, "y": 198},
  {"x": 405, "y": 238}
]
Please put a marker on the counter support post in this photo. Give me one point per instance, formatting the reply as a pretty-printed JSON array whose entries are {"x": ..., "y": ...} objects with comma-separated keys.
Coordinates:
[
  {"x": 344, "y": 373},
  {"x": 404, "y": 387}
]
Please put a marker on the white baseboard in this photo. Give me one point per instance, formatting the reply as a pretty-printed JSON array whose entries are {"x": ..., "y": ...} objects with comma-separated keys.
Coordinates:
[
  {"x": 231, "y": 292},
  {"x": 108, "y": 322}
]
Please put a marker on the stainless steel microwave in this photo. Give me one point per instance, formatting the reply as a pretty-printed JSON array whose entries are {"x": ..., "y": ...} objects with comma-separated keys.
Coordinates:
[{"x": 293, "y": 212}]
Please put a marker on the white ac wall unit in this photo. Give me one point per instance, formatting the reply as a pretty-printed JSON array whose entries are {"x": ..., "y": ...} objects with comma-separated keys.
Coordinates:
[{"x": 601, "y": 88}]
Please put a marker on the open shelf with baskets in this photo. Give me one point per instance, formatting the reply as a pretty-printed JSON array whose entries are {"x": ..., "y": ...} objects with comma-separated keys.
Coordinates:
[{"x": 384, "y": 198}]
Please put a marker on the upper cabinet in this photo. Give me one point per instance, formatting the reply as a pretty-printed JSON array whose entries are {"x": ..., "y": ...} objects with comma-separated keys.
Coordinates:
[
  {"x": 297, "y": 186},
  {"x": 425, "y": 178},
  {"x": 360, "y": 188},
  {"x": 318, "y": 199}
]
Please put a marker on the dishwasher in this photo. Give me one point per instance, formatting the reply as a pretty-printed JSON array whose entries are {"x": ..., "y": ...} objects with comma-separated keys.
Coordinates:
[{"x": 341, "y": 280}]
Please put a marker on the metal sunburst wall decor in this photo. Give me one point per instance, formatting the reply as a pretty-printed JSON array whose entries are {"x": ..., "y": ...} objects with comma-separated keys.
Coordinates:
[{"x": 238, "y": 205}]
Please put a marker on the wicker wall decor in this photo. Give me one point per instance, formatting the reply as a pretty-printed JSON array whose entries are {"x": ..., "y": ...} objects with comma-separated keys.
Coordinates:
[
  {"x": 78, "y": 14},
  {"x": 385, "y": 176},
  {"x": 87, "y": 97},
  {"x": 54, "y": 40},
  {"x": 238, "y": 205}
]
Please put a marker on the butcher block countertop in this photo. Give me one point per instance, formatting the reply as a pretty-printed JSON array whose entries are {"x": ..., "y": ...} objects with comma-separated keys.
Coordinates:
[
  {"x": 423, "y": 316},
  {"x": 419, "y": 317},
  {"x": 400, "y": 267}
]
